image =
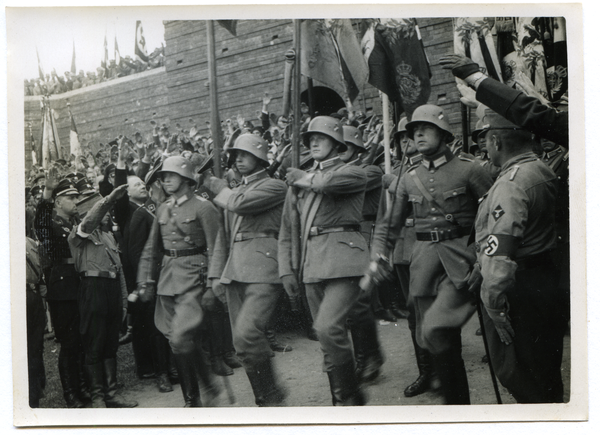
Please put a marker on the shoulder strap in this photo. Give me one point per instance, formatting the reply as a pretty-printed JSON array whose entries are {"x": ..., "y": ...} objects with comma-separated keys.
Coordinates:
[{"x": 430, "y": 198}]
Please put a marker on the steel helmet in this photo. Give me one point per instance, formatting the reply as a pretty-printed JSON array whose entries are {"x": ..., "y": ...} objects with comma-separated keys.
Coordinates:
[
  {"x": 252, "y": 144},
  {"x": 431, "y": 114},
  {"x": 179, "y": 165},
  {"x": 353, "y": 136},
  {"x": 326, "y": 125},
  {"x": 401, "y": 128}
]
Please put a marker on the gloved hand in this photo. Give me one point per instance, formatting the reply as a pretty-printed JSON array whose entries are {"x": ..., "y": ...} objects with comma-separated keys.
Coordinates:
[
  {"x": 387, "y": 180},
  {"x": 146, "y": 291},
  {"x": 291, "y": 287},
  {"x": 379, "y": 271},
  {"x": 295, "y": 176},
  {"x": 502, "y": 324},
  {"x": 209, "y": 300},
  {"x": 475, "y": 280},
  {"x": 216, "y": 185},
  {"x": 461, "y": 66}
]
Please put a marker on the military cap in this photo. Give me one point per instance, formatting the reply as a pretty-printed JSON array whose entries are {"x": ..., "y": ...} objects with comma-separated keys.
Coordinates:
[
  {"x": 37, "y": 179},
  {"x": 75, "y": 176},
  {"x": 493, "y": 121},
  {"x": 65, "y": 187},
  {"x": 152, "y": 175},
  {"x": 35, "y": 190},
  {"x": 84, "y": 186}
]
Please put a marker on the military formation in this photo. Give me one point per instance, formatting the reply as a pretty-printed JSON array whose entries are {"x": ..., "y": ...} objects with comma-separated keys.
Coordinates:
[{"x": 192, "y": 268}]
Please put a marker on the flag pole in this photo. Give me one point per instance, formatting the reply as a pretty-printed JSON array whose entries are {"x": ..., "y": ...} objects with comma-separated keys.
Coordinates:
[
  {"x": 214, "y": 103},
  {"x": 385, "y": 101},
  {"x": 295, "y": 218}
]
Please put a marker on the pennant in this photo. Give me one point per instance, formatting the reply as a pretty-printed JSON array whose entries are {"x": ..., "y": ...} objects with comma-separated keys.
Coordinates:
[
  {"x": 73, "y": 65},
  {"x": 473, "y": 38},
  {"x": 117, "y": 53},
  {"x": 556, "y": 58},
  {"x": 74, "y": 137},
  {"x": 50, "y": 139},
  {"x": 398, "y": 64},
  {"x": 40, "y": 69},
  {"x": 140, "y": 43},
  {"x": 229, "y": 25},
  {"x": 353, "y": 63}
]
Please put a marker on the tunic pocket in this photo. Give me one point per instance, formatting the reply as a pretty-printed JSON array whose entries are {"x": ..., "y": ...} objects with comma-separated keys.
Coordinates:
[
  {"x": 417, "y": 203},
  {"x": 351, "y": 245},
  {"x": 268, "y": 254},
  {"x": 455, "y": 200}
]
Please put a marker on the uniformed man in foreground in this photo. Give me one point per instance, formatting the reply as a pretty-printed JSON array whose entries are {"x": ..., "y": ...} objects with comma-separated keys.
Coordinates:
[
  {"x": 443, "y": 190},
  {"x": 334, "y": 252},
  {"x": 102, "y": 300},
  {"x": 56, "y": 215},
  {"x": 182, "y": 239},
  {"x": 526, "y": 310},
  {"x": 251, "y": 275}
]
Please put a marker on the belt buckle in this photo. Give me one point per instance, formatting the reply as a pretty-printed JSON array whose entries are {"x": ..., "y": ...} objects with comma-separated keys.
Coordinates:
[
  {"x": 435, "y": 235},
  {"x": 314, "y": 231},
  {"x": 113, "y": 275},
  {"x": 173, "y": 253}
]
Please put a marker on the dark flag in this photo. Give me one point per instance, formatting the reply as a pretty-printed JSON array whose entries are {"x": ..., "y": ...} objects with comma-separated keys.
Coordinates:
[
  {"x": 556, "y": 57},
  {"x": 229, "y": 25},
  {"x": 140, "y": 43},
  {"x": 50, "y": 141},
  {"x": 473, "y": 38},
  {"x": 73, "y": 65},
  {"x": 398, "y": 65}
]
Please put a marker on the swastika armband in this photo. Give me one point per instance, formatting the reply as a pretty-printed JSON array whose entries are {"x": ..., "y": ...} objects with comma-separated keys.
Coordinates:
[{"x": 500, "y": 244}]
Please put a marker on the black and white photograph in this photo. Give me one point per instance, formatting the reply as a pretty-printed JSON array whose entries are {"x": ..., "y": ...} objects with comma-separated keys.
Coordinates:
[{"x": 371, "y": 215}]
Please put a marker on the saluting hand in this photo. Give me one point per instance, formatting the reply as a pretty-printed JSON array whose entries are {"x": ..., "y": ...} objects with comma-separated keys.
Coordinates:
[
  {"x": 117, "y": 193},
  {"x": 461, "y": 66}
]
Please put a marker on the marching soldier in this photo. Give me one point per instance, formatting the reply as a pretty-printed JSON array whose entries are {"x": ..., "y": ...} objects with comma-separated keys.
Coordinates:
[
  {"x": 443, "y": 190},
  {"x": 526, "y": 310},
  {"x": 62, "y": 280},
  {"x": 182, "y": 239},
  {"x": 363, "y": 327},
  {"x": 330, "y": 203},
  {"x": 102, "y": 300},
  {"x": 251, "y": 275}
]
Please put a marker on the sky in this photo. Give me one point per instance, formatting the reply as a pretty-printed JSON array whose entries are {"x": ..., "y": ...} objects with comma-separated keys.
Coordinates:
[{"x": 54, "y": 31}]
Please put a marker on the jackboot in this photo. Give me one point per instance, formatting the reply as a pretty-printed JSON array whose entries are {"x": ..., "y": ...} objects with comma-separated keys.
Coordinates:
[
  {"x": 367, "y": 351},
  {"x": 216, "y": 338},
  {"x": 173, "y": 374},
  {"x": 128, "y": 336},
  {"x": 95, "y": 376},
  {"x": 84, "y": 391},
  {"x": 264, "y": 385},
  {"x": 423, "y": 382},
  {"x": 186, "y": 367},
  {"x": 397, "y": 311},
  {"x": 343, "y": 383},
  {"x": 231, "y": 359},
  {"x": 450, "y": 368},
  {"x": 224, "y": 331},
  {"x": 68, "y": 372},
  {"x": 274, "y": 344},
  {"x": 112, "y": 398},
  {"x": 211, "y": 388},
  {"x": 161, "y": 363}
]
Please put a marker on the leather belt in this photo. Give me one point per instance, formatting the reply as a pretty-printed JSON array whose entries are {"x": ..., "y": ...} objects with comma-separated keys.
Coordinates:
[
  {"x": 99, "y": 274},
  {"x": 65, "y": 261},
  {"x": 317, "y": 231},
  {"x": 533, "y": 261},
  {"x": 184, "y": 252},
  {"x": 369, "y": 217},
  {"x": 249, "y": 235},
  {"x": 447, "y": 234}
]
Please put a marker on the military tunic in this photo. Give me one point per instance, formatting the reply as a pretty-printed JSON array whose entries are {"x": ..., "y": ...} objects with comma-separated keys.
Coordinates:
[
  {"x": 331, "y": 262},
  {"x": 439, "y": 269},
  {"x": 184, "y": 223},
  {"x": 251, "y": 273},
  {"x": 515, "y": 233}
]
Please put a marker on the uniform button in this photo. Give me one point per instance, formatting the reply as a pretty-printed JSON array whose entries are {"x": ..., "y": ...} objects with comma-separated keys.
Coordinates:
[
  {"x": 174, "y": 214},
  {"x": 173, "y": 232},
  {"x": 61, "y": 277},
  {"x": 432, "y": 171},
  {"x": 187, "y": 238},
  {"x": 431, "y": 189},
  {"x": 502, "y": 314},
  {"x": 454, "y": 193},
  {"x": 351, "y": 243},
  {"x": 431, "y": 180},
  {"x": 173, "y": 243},
  {"x": 64, "y": 235},
  {"x": 268, "y": 253},
  {"x": 432, "y": 209},
  {"x": 435, "y": 219}
]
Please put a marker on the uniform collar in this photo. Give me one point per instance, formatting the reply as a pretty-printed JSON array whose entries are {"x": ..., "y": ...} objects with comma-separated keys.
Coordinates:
[
  {"x": 438, "y": 159},
  {"x": 334, "y": 161},
  {"x": 253, "y": 177},
  {"x": 548, "y": 155},
  {"x": 521, "y": 158},
  {"x": 355, "y": 162},
  {"x": 181, "y": 199},
  {"x": 413, "y": 160}
]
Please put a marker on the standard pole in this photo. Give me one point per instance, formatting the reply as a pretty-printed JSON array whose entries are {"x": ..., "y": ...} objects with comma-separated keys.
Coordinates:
[{"x": 215, "y": 123}]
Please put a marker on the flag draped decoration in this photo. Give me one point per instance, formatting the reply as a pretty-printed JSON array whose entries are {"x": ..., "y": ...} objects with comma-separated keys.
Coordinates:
[
  {"x": 555, "y": 47},
  {"x": 73, "y": 64},
  {"x": 397, "y": 61},
  {"x": 229, "y": 25},
  {"x": 50, "y": 140},
  {"x": 140, "y": 43},
  {"x": 473, "y": 38},
  {"x": 522, "y": 55},
  {"x": 74, "y": 137},
  {"x": 330, "y": 54}
]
